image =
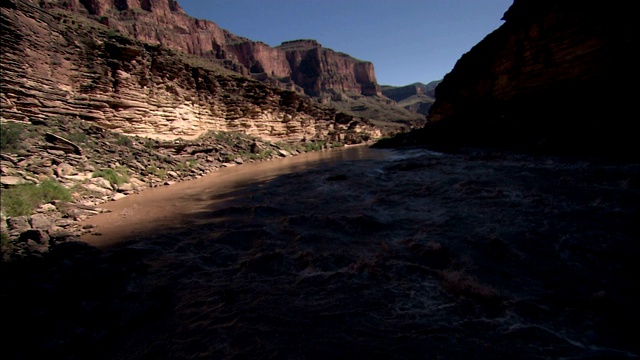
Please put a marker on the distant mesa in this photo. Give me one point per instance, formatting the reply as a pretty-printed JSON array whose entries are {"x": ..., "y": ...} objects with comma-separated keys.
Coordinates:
[{"x": 416, "y": 97}]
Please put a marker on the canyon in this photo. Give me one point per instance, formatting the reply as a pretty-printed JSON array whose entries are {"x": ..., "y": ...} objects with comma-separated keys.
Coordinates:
[{"x": 499, "y": 230}]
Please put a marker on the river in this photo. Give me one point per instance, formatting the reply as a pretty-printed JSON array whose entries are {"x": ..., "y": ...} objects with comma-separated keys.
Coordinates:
[
  {"x": 361, "y": 253},
  {"x": 166, "y": 206}
]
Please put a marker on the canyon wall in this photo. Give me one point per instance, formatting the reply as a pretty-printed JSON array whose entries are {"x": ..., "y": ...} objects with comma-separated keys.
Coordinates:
[
  {"x": 556, "y": 75},
  {"x": 85, "y": 71},
  {"x": 319, "y": 70},
  {"x": 312, "y": 69}
]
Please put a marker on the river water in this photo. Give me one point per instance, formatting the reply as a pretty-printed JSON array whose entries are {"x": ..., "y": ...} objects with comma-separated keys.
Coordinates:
[
  {"x": 168, "y": 206},
  {"x": 365, "y": 254}
]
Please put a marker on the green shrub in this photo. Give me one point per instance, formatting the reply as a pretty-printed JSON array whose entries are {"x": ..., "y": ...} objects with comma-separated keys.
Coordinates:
[
  {"x": 284, "y": 146},
  {"x": 150, "y": 143},
  {"x": 314, "y": 145},
  {"x": 117, "y": 176},
  {"x": 4, "y": 241},
  {"x": 265, "y": 154},
  {"x": 185, "y": 166},
  {"x": 77, "y": 136},
  {"x": 154, "y": 170},
  {"x": 50, "y": 190},
  {"x": 123, "y": 140},
  {"x": 22, "y": 199},
  {"x": 10, "y": 136}
]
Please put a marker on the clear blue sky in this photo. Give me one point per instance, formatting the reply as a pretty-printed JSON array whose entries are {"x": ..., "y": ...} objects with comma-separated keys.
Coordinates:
[{"x": 407, "y": 40}]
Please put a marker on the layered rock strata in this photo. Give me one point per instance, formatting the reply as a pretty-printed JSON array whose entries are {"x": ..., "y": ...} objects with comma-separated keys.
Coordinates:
[
  {"x": 301, "y": 65},
  {"x": 319, "y": 70},
  {"x": 555, "y": 75},
  {"x": 85, "y": 71}
]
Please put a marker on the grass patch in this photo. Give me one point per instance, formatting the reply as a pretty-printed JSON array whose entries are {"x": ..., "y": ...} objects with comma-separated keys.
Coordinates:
[
  {"x": 314, "y": 145},
  {"x": 10, "y": 136},
  {"x": 123, "y": 140},
  {"x": 4, "y": 241},
  {"x": 117, "y": 176},
  {"x": 265, "y": 154},
  {"x": 285, "y": 146},
  {"x": 154, "y": 170},
  {"x": 22, "y": 199}
]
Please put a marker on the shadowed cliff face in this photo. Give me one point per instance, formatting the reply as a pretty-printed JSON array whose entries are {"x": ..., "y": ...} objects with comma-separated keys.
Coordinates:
[
  {"x": 554, "y": 76},
  {"x": 85, "y": 71},
  {"x": 416, "y": 97}
]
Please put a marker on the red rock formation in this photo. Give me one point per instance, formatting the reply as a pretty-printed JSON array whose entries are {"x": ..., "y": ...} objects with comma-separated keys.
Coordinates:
[
  {"x": 318, "y": 70},
  {"x": 556, "y": 75},
  {"x": 260, "y": 58},
  {"x": 85, "y": 71},
  {"x": 311, "y": 68}
]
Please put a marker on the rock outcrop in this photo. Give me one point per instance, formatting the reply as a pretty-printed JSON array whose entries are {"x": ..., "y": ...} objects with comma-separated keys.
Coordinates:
[
  {"x": 319, "y": 70},
  {"x": 87, "y": 71},
  {"x": 555, "y": 76}
]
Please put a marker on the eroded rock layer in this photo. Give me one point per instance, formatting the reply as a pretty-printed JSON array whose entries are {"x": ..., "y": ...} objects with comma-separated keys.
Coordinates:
[
  {"x": 85, "y": 71},
  {"x": 309, "y": 68},
  {"x": 556, "y": 75}
]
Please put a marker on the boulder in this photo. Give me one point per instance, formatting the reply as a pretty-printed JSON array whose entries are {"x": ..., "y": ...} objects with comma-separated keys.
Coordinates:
[
  {"x": 41, "y": 221},
  {"x": 8, "y": 181}
]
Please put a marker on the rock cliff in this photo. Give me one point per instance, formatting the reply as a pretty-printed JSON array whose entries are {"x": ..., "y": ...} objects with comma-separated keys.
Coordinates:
[
  {"x": 302, "y": 66},
  {"x": 299, "y": 65},
  {"x": 84, "y": 70},
  {"x": 556, "y": 76},
  {"x": 319, "y": 70}
]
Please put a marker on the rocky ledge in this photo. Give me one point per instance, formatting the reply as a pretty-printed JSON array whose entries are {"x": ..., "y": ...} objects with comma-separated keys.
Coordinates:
[{"x": 84, "y": 165}]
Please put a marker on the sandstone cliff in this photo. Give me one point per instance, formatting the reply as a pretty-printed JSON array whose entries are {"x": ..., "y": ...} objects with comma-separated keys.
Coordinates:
[
  {"x": 303, "y": 66},
  {"x": 86, "y": 71},
  {"x": 556, "y": 75},
  {"x": 303, "y": 63},
  {"x": 319, "y": 70}
]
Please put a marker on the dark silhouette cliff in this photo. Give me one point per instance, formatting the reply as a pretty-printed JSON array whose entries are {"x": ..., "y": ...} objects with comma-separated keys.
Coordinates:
[{"x": 556, "y": 76}]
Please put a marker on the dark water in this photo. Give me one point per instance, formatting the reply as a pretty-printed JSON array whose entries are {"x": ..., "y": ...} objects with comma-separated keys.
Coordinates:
[{"x": 400, "y": 255}]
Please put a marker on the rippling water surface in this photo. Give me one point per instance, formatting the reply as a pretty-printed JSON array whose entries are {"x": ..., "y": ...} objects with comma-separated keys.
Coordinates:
[{"x": 367, "y": 253}]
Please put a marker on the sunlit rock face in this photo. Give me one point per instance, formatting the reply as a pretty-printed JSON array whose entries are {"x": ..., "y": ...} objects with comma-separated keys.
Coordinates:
[
  {"x": 319, "y": 70},
  {"x": 85, "y": 71},
  {"x": 300, "y": 65},
  {"x": 555, "y": 75}
]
